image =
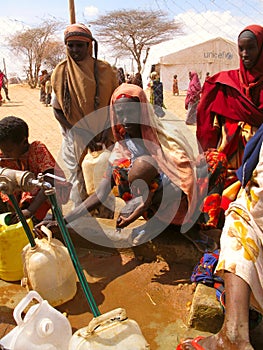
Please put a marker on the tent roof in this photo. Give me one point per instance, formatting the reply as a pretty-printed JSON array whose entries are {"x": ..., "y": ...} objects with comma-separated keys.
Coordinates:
[{"x": 169, "y": 59}]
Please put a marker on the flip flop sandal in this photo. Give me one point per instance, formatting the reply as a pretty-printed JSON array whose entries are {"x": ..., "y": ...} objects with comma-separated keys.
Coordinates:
[
  {"x": 192, "y": 342},
  {"x": 206, "y": 244}
]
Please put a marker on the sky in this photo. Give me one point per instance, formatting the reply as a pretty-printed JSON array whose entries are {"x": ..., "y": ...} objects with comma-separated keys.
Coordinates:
[{"x": 201, "y": 20}]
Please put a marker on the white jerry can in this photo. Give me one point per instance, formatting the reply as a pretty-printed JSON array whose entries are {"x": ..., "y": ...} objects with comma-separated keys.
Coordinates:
[
  {"x": 42, "y": 328},
  {"x": 49, "y": 270},
  {"x": 112, "y": 330}
]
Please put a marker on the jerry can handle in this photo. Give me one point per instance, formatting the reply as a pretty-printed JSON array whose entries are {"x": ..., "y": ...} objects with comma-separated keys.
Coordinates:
[
  {"x": 23, "y": 304},
  {"x": 47, "y": 232},
  {"x": 116, "y": 314}
]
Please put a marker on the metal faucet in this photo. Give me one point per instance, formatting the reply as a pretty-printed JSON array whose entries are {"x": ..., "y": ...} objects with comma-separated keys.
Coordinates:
[{"x": 11, "y": 180}]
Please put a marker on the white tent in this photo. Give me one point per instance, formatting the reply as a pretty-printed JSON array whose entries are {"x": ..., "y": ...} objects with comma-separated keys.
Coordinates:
[{"x": 210, "y": 56}]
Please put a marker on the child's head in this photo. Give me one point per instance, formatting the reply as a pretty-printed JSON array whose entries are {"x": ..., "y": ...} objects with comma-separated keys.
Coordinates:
[
  {"x": 143, "y": 171},
  {"x": 13, "y": 137}
]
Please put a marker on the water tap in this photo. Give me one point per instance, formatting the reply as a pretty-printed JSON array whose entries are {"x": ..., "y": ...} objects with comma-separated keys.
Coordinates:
[{"x": 11, "y": 180}]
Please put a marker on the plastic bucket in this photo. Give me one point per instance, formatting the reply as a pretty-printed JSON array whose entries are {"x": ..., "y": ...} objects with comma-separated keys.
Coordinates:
[{"x": 12, "y": 241}]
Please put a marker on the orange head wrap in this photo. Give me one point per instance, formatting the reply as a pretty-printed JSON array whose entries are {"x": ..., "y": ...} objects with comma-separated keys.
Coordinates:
[{"x": 80, "y": 32}]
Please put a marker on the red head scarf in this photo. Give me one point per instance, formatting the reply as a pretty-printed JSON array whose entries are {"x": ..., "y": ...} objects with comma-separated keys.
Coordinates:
[
  {"x": 250, "y": 76},
  {"x": 236, "y": 95},
  {"x": 194, "y": 89},
  {"x": 249, "y": 79}
]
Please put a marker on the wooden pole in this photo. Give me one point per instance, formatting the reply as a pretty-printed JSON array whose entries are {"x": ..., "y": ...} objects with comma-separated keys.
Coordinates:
[
  {"x": 4, "y": 67},
  {"x": 72, "y": 15}
]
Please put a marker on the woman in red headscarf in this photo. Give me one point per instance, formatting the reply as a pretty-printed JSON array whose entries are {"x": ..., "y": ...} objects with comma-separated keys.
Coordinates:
[
  {"x": 1, "y": 85},
  {"x": 192, "y": 98},
  {"x": 183, "y": 192},
  {"x": 231, "y": 107}
]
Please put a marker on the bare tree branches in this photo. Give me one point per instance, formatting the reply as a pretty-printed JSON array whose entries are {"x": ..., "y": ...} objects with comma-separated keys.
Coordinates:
[
  {"x": 133, "y": 32},
  {"x": 36, "y": 46}
]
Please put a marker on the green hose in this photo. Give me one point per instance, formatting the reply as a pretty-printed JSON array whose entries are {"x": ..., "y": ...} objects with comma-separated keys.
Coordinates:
[
  {"x": 67, "y": 239},
  {"x": 23, "y": 220}
]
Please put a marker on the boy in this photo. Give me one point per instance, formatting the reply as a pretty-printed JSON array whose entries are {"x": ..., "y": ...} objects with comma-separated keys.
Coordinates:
[{"x": 18, "y": 154}]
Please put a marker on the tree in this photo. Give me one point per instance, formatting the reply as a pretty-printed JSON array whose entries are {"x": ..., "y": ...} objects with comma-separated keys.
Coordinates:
[
  {"x": 134, "y": 32},
  {"x": 35, "y": 45},
  {"x": 55, "y": 53}
]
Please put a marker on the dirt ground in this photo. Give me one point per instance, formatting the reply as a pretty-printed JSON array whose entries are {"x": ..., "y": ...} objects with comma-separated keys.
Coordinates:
[{"x": 155, "y": 293}]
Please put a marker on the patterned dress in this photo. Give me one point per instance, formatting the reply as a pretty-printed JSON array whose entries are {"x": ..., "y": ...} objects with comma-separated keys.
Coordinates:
[{"x": 242, "y": 236}]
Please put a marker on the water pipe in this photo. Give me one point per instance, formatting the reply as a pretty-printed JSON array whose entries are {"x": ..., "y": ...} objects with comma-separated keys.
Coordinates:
[
  {"x": 50, "y": 193},
  {"x": 10, "y": 180},
  {"x": 23, "y": 220}
]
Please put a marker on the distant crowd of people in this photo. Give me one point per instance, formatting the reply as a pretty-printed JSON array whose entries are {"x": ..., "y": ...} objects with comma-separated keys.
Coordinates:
[
  {"x": 103, "y": 111},
  {"x": 154, "y": 84}
]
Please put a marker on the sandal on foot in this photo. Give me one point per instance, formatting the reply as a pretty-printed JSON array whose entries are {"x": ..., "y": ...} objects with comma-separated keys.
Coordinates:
[
  {"x": 204, "y": 243},
  {"x": 192, "y": 342}
]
